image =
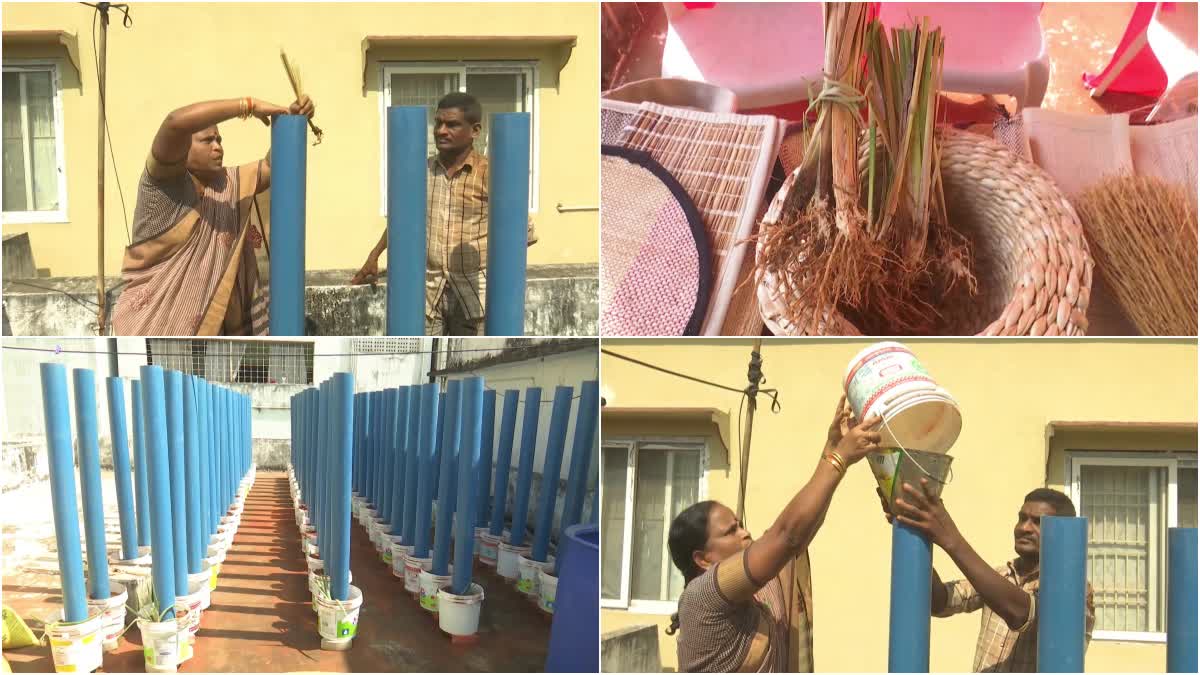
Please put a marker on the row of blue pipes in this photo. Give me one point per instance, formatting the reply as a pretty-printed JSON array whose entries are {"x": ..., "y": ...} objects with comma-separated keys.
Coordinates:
[
  {"x": 407, "y": 174},
  {"x": 322, "y": 422},
  {"x": 1060, "y": 603},
  {"x": 191, "y": 448}
]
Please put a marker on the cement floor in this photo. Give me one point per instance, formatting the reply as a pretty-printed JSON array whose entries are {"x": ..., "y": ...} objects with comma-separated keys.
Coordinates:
[{"x": 261, "y": 619}]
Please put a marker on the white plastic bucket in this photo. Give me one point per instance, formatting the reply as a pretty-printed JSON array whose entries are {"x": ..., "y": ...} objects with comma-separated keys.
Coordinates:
[
  {"x": 547, "y": 589},
  {"x": 316, "y": 567},
  {"x": 430, "y": 585},
  {"x": 528, "y": 571},
  {"x": 399, "y": 553},
  {"x": 199, "y": 582},
  {"x": 164, "y": 645},
  {"x": 459, "y": 614},
  {"x": 886, "y": 379},
  {"x": 489, "y": 547},
  {"x": 506, "y": 562},
  {"x": 389, "y": 546},
  {"x": 187, "y": 611},
  {"x": 113, "y": 611},
  {"x": 337, "y": 621},
  {"x": 77, "y": 647},
  {"x": 214, "y": 559},
  {"x": 135, "y": 575},
  {"x": 413, "y": 567},
  {"x": 378, "y": 533}
]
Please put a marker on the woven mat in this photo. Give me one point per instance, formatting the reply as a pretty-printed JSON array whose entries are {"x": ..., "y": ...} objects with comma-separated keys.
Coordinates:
[{"x": 656, "y": 274}]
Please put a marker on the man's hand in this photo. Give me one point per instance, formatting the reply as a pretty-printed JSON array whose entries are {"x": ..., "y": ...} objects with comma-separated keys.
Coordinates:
[
  {"x": 265, "y": 110},
  {"x": 921, "y": 510},
  {"x": 368, "y": 273},
  {"x": 302, "y": 106}
]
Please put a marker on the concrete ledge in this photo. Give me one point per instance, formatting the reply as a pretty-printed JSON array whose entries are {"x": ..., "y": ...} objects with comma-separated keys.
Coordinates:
[
  {"x": 559, "y": 300},
  {"x": 633, "y": 649}
]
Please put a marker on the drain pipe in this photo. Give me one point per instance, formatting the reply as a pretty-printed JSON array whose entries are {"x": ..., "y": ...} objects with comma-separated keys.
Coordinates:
[
  {"x": 529, "y": 427},
  {"x": 62, "y": 490},
  {"x": 551, "y": 471},
  {"x": 508, "y": 424}
]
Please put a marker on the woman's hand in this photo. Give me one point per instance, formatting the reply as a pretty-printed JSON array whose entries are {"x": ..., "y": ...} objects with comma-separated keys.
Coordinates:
[
  {"x": 302, "y": 106},
  {"x": 860, "y": 438},
  {"x": 265, "y": 110},
  {"x": 840, "y": 424}
]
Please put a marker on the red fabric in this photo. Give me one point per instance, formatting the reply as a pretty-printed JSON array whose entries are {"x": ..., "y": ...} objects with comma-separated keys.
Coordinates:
[{"x": 1144, "y": 75}]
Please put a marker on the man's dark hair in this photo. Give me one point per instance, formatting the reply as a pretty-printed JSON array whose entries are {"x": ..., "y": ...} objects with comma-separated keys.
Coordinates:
[
  {"x": 468, "y": 104},
  {"x": 1063, "y": 506}
]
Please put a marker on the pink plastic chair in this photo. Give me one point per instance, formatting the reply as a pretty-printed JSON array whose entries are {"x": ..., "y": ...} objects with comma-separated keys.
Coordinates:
[{"x": 991, "y": 47}]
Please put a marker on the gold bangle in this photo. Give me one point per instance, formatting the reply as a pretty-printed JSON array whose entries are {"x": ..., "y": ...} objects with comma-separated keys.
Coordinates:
[
  {"x": 834, "y": 463},
  {"x": 841, "y": 460}
]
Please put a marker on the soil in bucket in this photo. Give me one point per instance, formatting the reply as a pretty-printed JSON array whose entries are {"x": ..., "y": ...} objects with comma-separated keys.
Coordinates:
[
  {"x": 77, "y": 647},
  {"x": 430, "y": 585},
  {"x": 113, "y": 610},
  {"x": 337, "y": 620},
  {"x": 459, "y": 614}
]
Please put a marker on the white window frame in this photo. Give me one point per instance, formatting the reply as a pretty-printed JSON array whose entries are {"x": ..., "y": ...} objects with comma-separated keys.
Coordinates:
[
  {"x": 532, "y": 102},
  {"x": 58, "y": 215},
  {"x": 1172, "y": 463},
  {"x": 632, "y": 445}
]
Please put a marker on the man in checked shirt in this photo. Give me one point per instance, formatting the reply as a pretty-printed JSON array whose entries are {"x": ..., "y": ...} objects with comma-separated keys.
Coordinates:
[
  {"x": 1007, "y": 593},
  {"x": 457, "y": 223}
]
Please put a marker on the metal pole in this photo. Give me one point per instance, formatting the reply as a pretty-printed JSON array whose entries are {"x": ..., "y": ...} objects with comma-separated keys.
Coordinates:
[
  {"x": 429, "y": 423},
  {"x": 124, "y": 481},
  {"x": 472, "y": 410},
  {"x": 1062, "y": 595},
  {"x": 529, "y": 428},
  {"x": 1181, "y": 600},
  {"x": 754, "y": 375},
  {"x": 508, "y": 424},
  {"x": 158, "y": 465},
  {"x": 483, "y": 483},
  {"x": 101, "y": 85},
  {"x": 89, "y": 483},
  {"x": 407, "y": 128},
  {"x": 908, "y": 621},
  {"x": 289, "y": 167},
  {"x": 445, "y": 496},
  {"x": 508, "y": 222},
  {"x": 62, "y": 490},
  {"x": 141, "y": 488},
  {"x": 551, "y": 472},
  {"x": 174, "y": 387}
]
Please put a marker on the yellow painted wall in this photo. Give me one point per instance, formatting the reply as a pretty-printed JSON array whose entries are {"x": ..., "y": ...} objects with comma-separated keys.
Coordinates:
[
  {"x": 1008, "y": 391},
  {"x": 176, "y": 54}
]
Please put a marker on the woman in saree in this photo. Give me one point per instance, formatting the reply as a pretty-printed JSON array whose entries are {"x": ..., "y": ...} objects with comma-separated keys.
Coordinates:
[
  {"x": 193, "y": 267},
  {"x": 747, "y": 604}
]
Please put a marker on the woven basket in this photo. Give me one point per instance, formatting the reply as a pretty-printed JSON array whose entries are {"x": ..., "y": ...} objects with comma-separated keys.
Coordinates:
[{"x": 1031, "y": 261}]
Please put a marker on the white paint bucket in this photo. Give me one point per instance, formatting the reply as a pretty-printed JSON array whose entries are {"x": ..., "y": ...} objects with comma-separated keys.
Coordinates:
[
  {"x": 547, "y": 589},
  {"x": 214, "y": 559},
  {"x": 886, "y": 379},
  {"x": 459, "y": 614},
  {"x": 389, "y": 545},
  {"x": 413, "y": 567},
  {"x": 337, "y": 621},
  {"x": 478, "y": 540},
  {"x": 316, "y": 567},
  {"x": 506, "y": 561},
  {"x": 489, "y": 547},
  {"x": 430, "y": 584},
  {"x": 135, "y": 575},
  {"x": 379, "y": 535},
  {"x": 113, "y": 611},
  {"x": 199, "y": 583},
  {"x": 77, "y": 647},
  {"x": 399, "y": 553},
  {"x": 187, "y": 612},
  {"x": 528, "y": 571},
  {"x": 164, "y": 645}
]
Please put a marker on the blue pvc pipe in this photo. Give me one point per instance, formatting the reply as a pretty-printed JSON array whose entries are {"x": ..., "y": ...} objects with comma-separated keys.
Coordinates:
[
  {"x": 343, "y": 414},
  {"x": 399, "y": 441},
  {"x": 551, "y": 472},
  {"x": 325, "y": 434},
  {"x": 407, "y": 173},
  {"x": 62, "y": 490},
  {"x": 154, "y": 411},
  {"x": 196, "y": 542},
  {"x": 378, "y": 450},
  {"x": 529, "y": 429},
  {"x": 200, "y": 396},
  {"x": 445, "y": 495},
  {"x": 141, "y": 489},
  {"x": 487, "y": 437},
  {"x": 1063, "y": 595},
  {"x": 429, "y": 423},
  {"x": 289, "y": 168},
  {"x": 412, "y": 463},
  {"x": 908, "y": 618},
  {"x": 124, "y": 479},
  {"x": 89, "y": 483},
  {"x": 439, "y": 441},
  {"x": 174, "y": 390},
  {"x": 356, "y": 458},
  {"x": 508, "y": 424},
  {"x": 472, "y": 413},
  {"x": 390, "y": 401},
  {"x": 581, "y": 456},
  {"x": 1181, "y": 600},
  {"x": 508, "y": 221}
]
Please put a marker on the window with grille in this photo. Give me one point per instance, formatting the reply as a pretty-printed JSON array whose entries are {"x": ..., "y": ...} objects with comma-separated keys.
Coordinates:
[
  {"x": 499, "y": 87},
  {"x": 230, "y": 361},
  {"x": 386, "y": 345},
  {"x": 645, "y": 483},
  {"x": 34, "y": 174},
  {"x": 1129, "y": 502}
]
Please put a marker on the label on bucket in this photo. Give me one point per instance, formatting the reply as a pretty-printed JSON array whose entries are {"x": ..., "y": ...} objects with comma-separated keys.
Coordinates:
[
  {"x": 883, "y": 466},
  {"x": 82, "y": 655},
  {"x": 429, "y": 602},
  {"x": 879, "y": 373},
  {"x": 525, "y": 586}
]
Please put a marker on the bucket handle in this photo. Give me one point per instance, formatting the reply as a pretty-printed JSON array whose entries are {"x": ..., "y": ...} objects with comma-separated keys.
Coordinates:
[{"x": 950, "y": 473}]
